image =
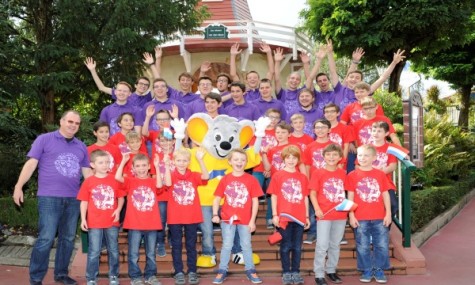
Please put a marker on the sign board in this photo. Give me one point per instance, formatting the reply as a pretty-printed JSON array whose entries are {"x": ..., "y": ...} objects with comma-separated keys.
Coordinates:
[{"x": 216, "y": 32}]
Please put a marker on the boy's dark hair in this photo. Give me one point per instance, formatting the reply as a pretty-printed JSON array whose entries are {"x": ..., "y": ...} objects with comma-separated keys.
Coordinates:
[
  {"x": 97, "y": 153},
  {"x": 124, "y": 114},
  {"x": 363, "y": 85},
  {"x": 228, "y": 77},
  {"x": 265, "y": 80},
  {"x": 323, "y": 121},
  {"x": 332, "y": 105},
  {"x": 252, "y": 71},
  {"x": 333, "y": 147},
  {"x": 284, "y": 126},
  {"x": 140, "y": 157},
  {"x": 99, "y": 124},
  {"x": 214, "y": 96},
  {"x": 357, "y": 71},
  {"x": 125, "y": 84},
  {"x": 163, "y": 111},
  {"x": 381, "y": 125},
  {"x": 185, "y": 74},
  {"x": 160, "y": 80},
  {"x": 306, "y": 90},
  {"x": 205, "y": 78},
  {"x": 273, "y": 110},
  {"x": 238, "y": 84},
  {"x": 321, "y": 74},
  {"x": 142, "y": 77}
]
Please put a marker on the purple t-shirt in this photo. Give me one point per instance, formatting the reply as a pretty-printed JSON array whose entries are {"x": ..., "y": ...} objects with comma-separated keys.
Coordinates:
[
  {"x": 179, "y": 96},
  {"x": 198, "y": 106},
  {"x": 252, "y": 94},
  {"x": 166, "y": 105},
  {"x": 322, "y": 99},
  {"x": 242, "y": 112},
  {"x": 59, "y": 164},
  {"x": 110, "y": 114},
  {"x": 226, "y": 103},
  {"x": 310, "y": 117},
  {"x": 290, "y": 99},
  {"x": 264, "y": 105},
  {"x": 343, "y": 96},
  {"x": 135, "y": 99}
]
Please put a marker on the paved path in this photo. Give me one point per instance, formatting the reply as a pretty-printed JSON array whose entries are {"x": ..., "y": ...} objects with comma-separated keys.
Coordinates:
[{"x": 450, "y": 257}]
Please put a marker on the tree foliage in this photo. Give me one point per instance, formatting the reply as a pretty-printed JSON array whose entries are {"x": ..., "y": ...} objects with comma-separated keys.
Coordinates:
[{"x": 420, "y": 27}]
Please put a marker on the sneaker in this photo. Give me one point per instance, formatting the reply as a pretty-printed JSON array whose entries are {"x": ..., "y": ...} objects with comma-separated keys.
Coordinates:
[
  {"x": 193, "y": 278},
  {"x": 216, "y": 228},
  {"x": 310, "y": 239},
  {"x": 220, "y": 277},
  {"x": 113, "y": 280},
  {"x": 91, "y": 282},
  {"x": 287, "y": 279},
  {"x": 380, "y": 277},
  {"x": 152, "y": 280},
  {"x": 334, "y": 278},
  {"x": 252, "y": 276},
  {"x": 237, "y": 258},
  {"x": 66, "y": 280},
  {"x": 344, "y": 241},
  {"x": 321, "y": 281},
  {"x": 161, "y": 250},
  {"x": 270, "y": 224},
  {"x": 179, "y": 278},
  {"x": 296, "y": 278},
  {"x": 137, "y": 281},
  {"x": 366, "y": 276}
]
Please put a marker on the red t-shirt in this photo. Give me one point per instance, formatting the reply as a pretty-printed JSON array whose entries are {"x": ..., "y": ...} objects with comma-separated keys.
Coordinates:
[
  {"x": 163, "y": 196},
  {"x": 313, "y": 155},
  {"x": 112, "y": 150},
  {"x": 291, "y": 188},
  {"x": 362, "y": 129},
  {"x": 302, "y": 142},
  {"x": 238, "y": 192},
  {"x": 268, "y": 140},
  {"x": 142, "y": 207},
  {"x": 101, "y": 195},
  {"x": 183, "y": 200},
  {"x": 275, "y": 158},
  {"x": 128, "y": 168},
  {"x": 384, "y": 159},
  {"x": 118, "y": 139},
  {"x": 330, "y": 189},
  {"x": 341, "y": 134},
  {"x": 354, "y": 112},
  {"x": 368, "y": 187}
]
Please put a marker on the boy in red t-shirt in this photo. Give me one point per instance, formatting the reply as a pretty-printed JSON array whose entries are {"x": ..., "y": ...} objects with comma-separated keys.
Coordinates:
[
  {"x": 327, "y": 190},
  {"x": 240, "y": 192},
  {"x": 298, "y": 137},
  {"x": 142, "y": 217},
  {"x": 289, "y": 191},
  {"x": 101, "y": 203},
  {"x": 101, "y": 132},
  {"x": 354, "y": 111},
  {"x": 184, "y": 210},
  {"x": 368, "y": 187}
]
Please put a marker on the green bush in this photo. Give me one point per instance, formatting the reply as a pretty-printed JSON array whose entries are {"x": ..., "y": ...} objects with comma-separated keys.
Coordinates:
[
  {"x": 14, "y": 216},
  {"x": 392, "y": 106}
]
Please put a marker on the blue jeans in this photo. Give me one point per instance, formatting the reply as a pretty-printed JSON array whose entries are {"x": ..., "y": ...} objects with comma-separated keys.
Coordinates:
[
  {"x": 313, "y": 221},
  {"x": 207, "y": 231},
  {"x": 134, "y": 238},
  {"x": 228, "y": 231},
  {"x": 291, "y": 242},
  {"x": 379, "y": 258},
  {"x": 394, "y": 203},
  {"x": 350, "y": 162},
  {"x": 264, "y": 182},
  {"x": 55, "y": 215},
  {"x": 162, "y": 206},
  {"x": 95, "y": 237},
  {"x": 176, "y": 232}
]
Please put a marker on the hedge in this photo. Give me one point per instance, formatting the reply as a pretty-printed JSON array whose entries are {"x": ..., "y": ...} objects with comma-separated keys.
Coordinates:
[{"x": 12, "y": 215}]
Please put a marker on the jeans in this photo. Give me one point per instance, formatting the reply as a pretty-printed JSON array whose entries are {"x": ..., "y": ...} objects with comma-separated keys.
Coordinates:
[
  {"x": 379, "y": 258},
  {"x": 176, "y": 232},
  {"x": 313, "y": 221},
  {"x": 55, "y": 215},
  {"x": 329, "y": 235},
  {"x": 264, "y": 182},
  {"x": 134, "y": 239},
  {"x": 207, "y": 231},
  {"x": 228, "y": 231},
  {"x": 350, "y": 162},
  {"x": 394, "y": 203},
  {"x": 291, "y": 242},
  {"x": 162, "y": 206},
  {"x": 95, "y": 237}
]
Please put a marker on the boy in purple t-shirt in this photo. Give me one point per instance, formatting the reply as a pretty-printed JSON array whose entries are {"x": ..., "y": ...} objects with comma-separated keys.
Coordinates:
[{"x": 241, "y": 109}]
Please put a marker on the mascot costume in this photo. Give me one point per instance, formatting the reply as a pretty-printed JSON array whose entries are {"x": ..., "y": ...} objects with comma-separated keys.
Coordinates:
[{"x": 218, "y": 136}]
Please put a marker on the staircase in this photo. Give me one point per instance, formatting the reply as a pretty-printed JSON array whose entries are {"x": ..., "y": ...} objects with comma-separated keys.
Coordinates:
[{"x": 270, "y": 258}]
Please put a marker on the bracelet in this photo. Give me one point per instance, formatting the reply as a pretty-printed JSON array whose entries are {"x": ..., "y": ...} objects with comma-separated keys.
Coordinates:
[
  {"x": 356, "y": 61},
  {"x": 215, "y": 216}
]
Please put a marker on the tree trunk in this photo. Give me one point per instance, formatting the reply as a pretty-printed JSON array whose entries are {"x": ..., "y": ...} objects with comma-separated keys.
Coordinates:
[
  {"x": 395, "y": 77},
  {"x": 464, "y": 106},
  {"x": 48, "y": 110}
]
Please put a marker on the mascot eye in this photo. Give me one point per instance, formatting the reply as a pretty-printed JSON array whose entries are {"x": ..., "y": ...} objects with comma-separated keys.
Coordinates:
[
  {"x": 217, "y": 137},
  {"x": 231, "y": 139}
]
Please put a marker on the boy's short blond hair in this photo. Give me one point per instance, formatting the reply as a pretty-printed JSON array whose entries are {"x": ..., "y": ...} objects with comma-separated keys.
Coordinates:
[
  {"x": 297, "y": 116},
  {"x": 368, "y": 147},
  {"x": 333, "y": 148},
  {"x": 132, "y": 136},
  {"x": 368, "y": 102},
  {"x": 291, "y": 150},
  {"x": 182, "y": 152},
  {"x": 96, "y": 154},
  {"x": 140, "y": 157},
  {"x": 362, "y": 85},
  {"x": 236, "y": 150},
  {"x": 126, "y": 84}
]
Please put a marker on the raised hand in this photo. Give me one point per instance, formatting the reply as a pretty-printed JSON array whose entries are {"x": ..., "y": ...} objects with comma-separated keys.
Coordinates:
[
  {"x": 399, "y": 56},
  {"x": 260, "y": 126},
  {"x": 158, "y": 52},
  {"x": 278, "y": 54},
  {"x": 205, "y": 66},
  {"x": 304, "y": 57},
  {"x": 265, "y": 48},
  {"x": 148, "y": 58},
  {"x": 235, "y": 49},
  {"x": 156, "y": 161},
  {"x": 174, "y": 111},
  {"x": 200, "y": 153},
  {"x": 150, "y": 111},
  {"x": 90, "y": 63},
  {"x": 357, "y": 54},
  {"x": 329, "y": 45},
  {"x": 179, "y": 126},
  {"x": 321, "y": 52}
]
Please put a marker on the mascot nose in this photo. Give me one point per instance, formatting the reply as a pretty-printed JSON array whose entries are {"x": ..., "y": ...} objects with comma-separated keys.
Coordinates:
[{"x": 225, "y": 145}]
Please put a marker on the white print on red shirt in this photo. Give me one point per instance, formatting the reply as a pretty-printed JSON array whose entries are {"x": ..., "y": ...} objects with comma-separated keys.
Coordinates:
[
  {"x": 143, "y": 199},
  {"x": 334, "y": 190},
  {"x": 368, "y": 190},
  {"x": 236, "y": 194},
  {"x": 183, "y": 193},
  {"x": 292, "y": 191},
  {"x": 103, "y": 197}
]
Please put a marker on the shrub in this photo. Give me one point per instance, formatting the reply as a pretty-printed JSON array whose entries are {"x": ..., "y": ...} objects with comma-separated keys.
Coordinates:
[{"x": 14, "y": 216}]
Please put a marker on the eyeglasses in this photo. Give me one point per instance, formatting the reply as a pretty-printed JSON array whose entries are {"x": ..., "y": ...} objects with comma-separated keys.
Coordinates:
[
  {"x": 329, "y": 111},
  {"x": 320, "y": 127},
  {"x": 222, "y": 81},
  {"x": 163, "y": 120},
  {"x": 205, "y": 84},
  {"x": 143, "y": 84},
  {"x": 274, "y": 118},
  {"x": 159, "y": 86}
]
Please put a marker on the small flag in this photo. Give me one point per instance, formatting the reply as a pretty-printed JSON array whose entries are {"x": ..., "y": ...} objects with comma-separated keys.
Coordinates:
[
  {"x": 398, "y": 151},
  {"x": 167, "y": 133},
  {"x": 294, "y": 219},
  {"x": 346, "y": 206},
  {"x": 232, "y": 219}
]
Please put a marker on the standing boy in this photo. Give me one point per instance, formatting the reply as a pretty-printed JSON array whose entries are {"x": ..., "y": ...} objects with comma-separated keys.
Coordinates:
[{"x": 101, "y": 132}]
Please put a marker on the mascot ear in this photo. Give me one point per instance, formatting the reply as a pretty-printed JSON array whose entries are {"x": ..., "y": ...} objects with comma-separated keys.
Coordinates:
[
  {"x": 198, "y": 126},
  {"x": 246, "y": 132}
]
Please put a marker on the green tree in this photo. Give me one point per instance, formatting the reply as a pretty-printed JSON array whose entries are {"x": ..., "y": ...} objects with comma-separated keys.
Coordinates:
[
  {"x": 46, "y": 42},
  {"x": 420, "y": 27}
]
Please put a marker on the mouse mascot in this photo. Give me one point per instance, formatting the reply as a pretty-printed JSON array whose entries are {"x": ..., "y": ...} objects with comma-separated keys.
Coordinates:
[{"x": 218, "y": 136}]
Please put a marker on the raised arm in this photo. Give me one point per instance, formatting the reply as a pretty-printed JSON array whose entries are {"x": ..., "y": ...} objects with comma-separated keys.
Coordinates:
[
  {"x": 158, "y": 61},
  {"x": 25, "y": 175},
  {"x": 149, "y": 112},
  {"x": 200, "y": 153},
  {"x": 270, "y": 61},
  {"x": 397, "y": 58},
  {"x": 306, "y": 64},
  {"x": 355, "y": 60},
  {"x": 331, "y": 64},
  {"x": 232, "y": 61},
  {"x": 148, "y": 60},
  {"x": 91, "y": 65},
  {"x": 205, "y": 67},
  {"x": 156, "y": 164},
  {"x": 278, "y": 57},
  {"x": 119, "y": 175},
  {"x": 319, "y": 56}
]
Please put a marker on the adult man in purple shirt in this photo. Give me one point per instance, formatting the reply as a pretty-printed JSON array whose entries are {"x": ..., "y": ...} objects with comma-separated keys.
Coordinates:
[
  {"x": 240, "y": 108},
  {"x": 308, "y": 109},
  {"x": 139, "y": 98},
  {"x": 61, "y": 159},
  {"x": 205, "y": 86},
  {"x": 266, "y": 101}
]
